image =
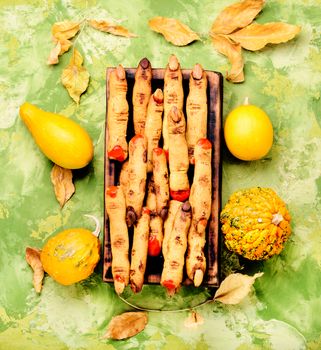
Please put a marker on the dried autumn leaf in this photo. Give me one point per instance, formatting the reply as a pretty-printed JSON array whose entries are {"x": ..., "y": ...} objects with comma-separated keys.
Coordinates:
[
  {"x": 193, "y": 320},
  {"x": 75, "y": 77},
  {"x": 65, "y": 45},
  {"x": 173, "y": 30},
  {"x": 256, "y": 36},
  {"x": 65, "y": 30},
  {"x": 111, "y": 28},
  {"x": 126, "y": 325},
  {"x": 33, "y": 259},
  {"x": 54, "y": 53},
  {"x": 235, "y": 288},
  {"x": 233, "y": 52},
  {"x": 235, "y": 16},
  {"x": 61, "y": 179}
]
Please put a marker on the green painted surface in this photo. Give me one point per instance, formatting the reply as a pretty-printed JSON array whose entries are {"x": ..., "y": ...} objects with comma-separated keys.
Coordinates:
[{"x": 283, "y": 312}]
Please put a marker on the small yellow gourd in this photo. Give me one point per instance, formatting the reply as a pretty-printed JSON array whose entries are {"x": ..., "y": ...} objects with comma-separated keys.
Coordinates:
[
  {"x": 61, "y": 139},
  {"x": 71, "y": 255},
  {"x": 255, "y": 223}
]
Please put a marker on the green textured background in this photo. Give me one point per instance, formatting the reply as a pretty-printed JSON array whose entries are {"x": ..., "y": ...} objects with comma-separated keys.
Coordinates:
[{"x": 284, "y": 310}]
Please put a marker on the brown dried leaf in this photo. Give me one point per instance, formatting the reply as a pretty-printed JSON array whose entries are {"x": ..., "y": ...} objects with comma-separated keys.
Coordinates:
[
  {"x": 126, "y": 325},
  {"x": 111, "y": 28},
  {"x": 256, "y": 36},
  {"x": 193, "y": 320},
  {"x": 235, "y": 288},
  {"x": 61, "y": 179},
  {"x": 65, "y": 30},
  {"x": 235, "y": 16},
  {"x": 233, "y": 52},
  {"x": 33, "y": 259},
  {"x": 65, "y": 45},
  {"x": 173, "y": 30},
  {"x": 75, "y": 77}
]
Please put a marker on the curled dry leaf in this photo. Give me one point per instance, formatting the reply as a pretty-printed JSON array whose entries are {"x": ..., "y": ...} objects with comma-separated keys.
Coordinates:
[
  {"x": 233, "y": 51},
  {"x": 61, "y": 179},
  {"x": 33, "y": 259},
  {"x": 236, "y": 16},
  {"x": 75, "y": 77},
  {"x": 54, "y": 53},
  {"x": 65, "y": 30},
  {"x": 235, "y": 288},
  {"x": 193, "y": 320},
  {"x": 126, "y": 325},
  {"x": 111, "y": 28},
  {"x": 173, "y": 30},
  {"x": 256, "y": 36}
]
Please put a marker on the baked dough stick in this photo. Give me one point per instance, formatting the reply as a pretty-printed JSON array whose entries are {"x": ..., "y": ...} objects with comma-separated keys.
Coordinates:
[
  {"x": 141, "y": 93},
  {"x": 116, "y": 210},
  {"x": 160, "y": 174},
  {"x": 174, "y": 259},
  {"x": 173, "y": 93},
  {"x": 196, "y": 109},
  {"x": 137, "y": 167},
  {"x": 178, "y": 156},
  {"x": 155, "y": 239},
  {"x": 123, "y": 176},
  {"x": 139, "y": 252},
  {"x": 201, "y": 200},
  {"x": 174, "y": 206},
  {"x": 117, "y": 115},
  {"x": 153, "y": 127}
]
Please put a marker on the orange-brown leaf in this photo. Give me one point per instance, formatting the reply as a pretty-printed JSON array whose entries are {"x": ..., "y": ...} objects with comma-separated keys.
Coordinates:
[
  {"x": 33, "y": 259},
  {"x": 173, "y": 30},
  {"x": 126, "y": 325},
  {"x": 111, "y": 28},
  {"x": 256, "y": 36},
  {"x": 62, "y": 46},
  {"x": 233, "y": 52},
  {"x": 61, "y": 179},
  {"x": 54, "y": 53},
  {"x": 237, "y": 15},
  {"x": 65, "y": 30},
  {"x": 75, "y": 77}
]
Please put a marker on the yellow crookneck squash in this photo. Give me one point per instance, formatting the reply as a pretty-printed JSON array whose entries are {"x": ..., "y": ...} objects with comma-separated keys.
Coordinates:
[
  {"x": 72, "y": 254},
  {"x": 255, "y": 223}
]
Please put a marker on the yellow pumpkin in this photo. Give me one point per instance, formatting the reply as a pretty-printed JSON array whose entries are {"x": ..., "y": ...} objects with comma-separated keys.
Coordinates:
[
  {"x": 255, "y": 223},
  {"x": 61, "y": 139},
  {"x": 71, "y": 255}
]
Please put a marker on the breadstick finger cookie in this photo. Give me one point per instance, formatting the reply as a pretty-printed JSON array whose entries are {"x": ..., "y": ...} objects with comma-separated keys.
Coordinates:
[
  {"x": 116, "y": 211},
  {"x": 196, "y": 109},
  {"x": 141, "y": 93},
  {"x": 117, "y": 115}
]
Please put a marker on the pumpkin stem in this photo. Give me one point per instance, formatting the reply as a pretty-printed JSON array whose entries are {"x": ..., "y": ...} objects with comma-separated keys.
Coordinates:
[
  {"x": 277, "y": 218},
  {"x": 246, "y": 101},
  {"x": 97, "y": 229}
]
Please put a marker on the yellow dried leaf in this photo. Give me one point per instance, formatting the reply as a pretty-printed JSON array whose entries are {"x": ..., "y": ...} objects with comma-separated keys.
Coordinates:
[
  {"x": 65, "y": 30},
  {"x": 233, "y": 52},
  {"x": 75, "y": 77},
  {"x": 256, "y": 36},
  {"x": 235, "y": 16},
  {"x": 33, "y": 259},
  {"x": 126, "y": 325},
  {"x": 111, "y": 28},
  {"x": 61, "y": 179},
  {"x": 65, "y": 46},
  {"x": 235, "y": 288},
  {"x": 54, "y": 53},
  {"x": 173, "y": 30},
  {"x": 193, "y": 320}
]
